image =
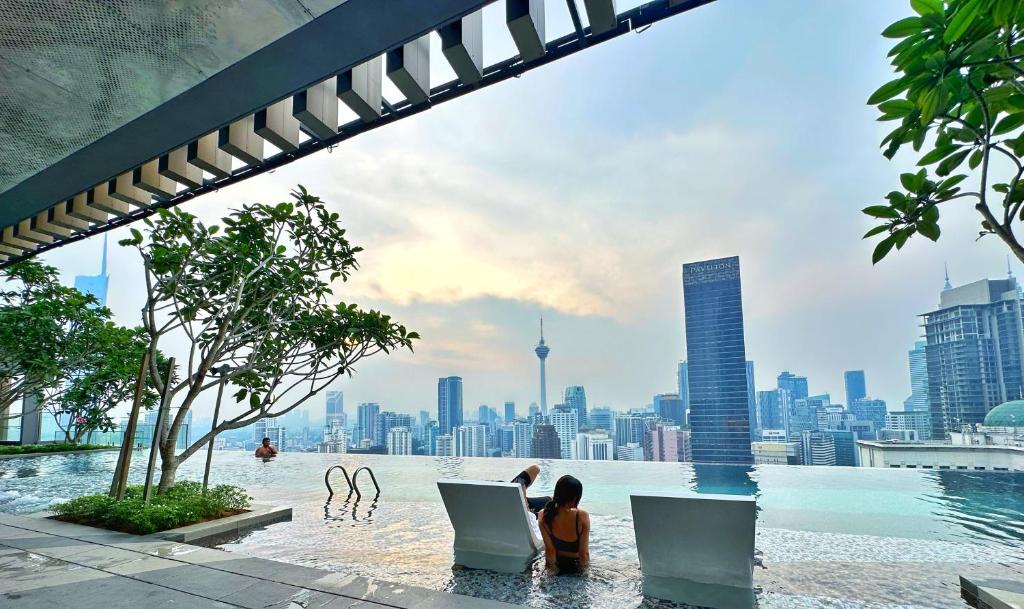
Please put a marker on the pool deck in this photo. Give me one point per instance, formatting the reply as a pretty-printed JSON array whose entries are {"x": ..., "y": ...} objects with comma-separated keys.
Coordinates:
[{"x": 47, "y": 563}]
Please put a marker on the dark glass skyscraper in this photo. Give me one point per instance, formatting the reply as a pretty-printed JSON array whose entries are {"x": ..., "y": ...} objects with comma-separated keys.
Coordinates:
[
  {"x": 856, "y": 386},
  {"x": 716, "y": 361},
  {"x": 449, "y": 404}
]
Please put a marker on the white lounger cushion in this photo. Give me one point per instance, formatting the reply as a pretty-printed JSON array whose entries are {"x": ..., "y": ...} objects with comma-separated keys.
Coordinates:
[
  {"x": 703, "y": 543},
  {"x": 493, "y": 529}
]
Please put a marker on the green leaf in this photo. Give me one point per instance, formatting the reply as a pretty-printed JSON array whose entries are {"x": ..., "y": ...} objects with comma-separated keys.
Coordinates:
[
  {"x": 938, "y": 153},
  {"x": 876, "y": 230},
  {"x": 947, "y": 166},
  {"x": 881, "y": 211},
  {"x": 903, "y": 28},
  {"x": 1008, "y": 123},
  {"x": 136, "y": 235},
  {"x": 961, "y": 21},
  {"x": 930, "y": 214},
  {"x": 929, "y": 230},
  {"x": 897, "y": 107},
  {"x": 975, "y": 159},
  {"x": 882, "y": 249},
  {"x": 927, "y": 7},
  {"x": 887, "y": 91}
]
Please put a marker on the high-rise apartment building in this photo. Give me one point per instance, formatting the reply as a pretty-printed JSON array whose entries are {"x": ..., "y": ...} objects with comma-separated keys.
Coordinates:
[
  {"x": 918, "y": 361},
  {"x": 510, "y": 412},
  {"x": 576, "y": 399},
  {"x": 716, "y": 362},
  {"x": 795, "y": 385},
  {"x": 819, "y": 448},
  {"x": 546, "y": 444},
  {"x": 630, "y": 452},
  {"x": 920, "y": 422},
  {"x": 444, "y": 446},
  {"x": 629, "y": 428},
  {"x": 567, "y": 425},
  {"x": 449, "y": 403},
  {"x": 974, "y": 343},
  {"x": 522, "y": 439},
  {"x": 335, "y": 409},
  {"x": 399, "y": 441},
  {"x": 670, "y": 443},
  {"x": 367, "y": 414},
  {"x": 856, "y": 386},
  {"x": 471, "y": 441},
  {"x": 507, "y": 439},
  {"x": 594, "y": 447}
]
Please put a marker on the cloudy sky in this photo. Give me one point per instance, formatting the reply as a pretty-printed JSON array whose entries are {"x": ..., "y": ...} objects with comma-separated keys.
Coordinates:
[{"x": 578, "y": 190}]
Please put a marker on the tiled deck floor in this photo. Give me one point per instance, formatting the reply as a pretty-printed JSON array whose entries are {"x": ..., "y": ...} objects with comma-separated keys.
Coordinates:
[{"x": 46, "y": 563}]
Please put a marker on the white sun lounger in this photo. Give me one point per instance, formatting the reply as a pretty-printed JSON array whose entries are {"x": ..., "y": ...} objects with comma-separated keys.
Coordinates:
[
  {"x": 696, "y": 549},
  {"x": 493, "y": 529}
]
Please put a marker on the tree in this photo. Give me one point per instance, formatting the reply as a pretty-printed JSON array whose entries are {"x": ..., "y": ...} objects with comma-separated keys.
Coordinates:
[
  {"x": 252, "y": 299},
  {"x": 959, "y": 99},
  {"x": 58, "y": 345}
]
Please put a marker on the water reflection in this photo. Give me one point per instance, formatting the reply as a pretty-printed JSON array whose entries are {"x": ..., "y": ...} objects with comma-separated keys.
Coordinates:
[
  {"x": 349, "y": 509},
  {"x": 450, "y": 467},
  {"x": 982, "y": 504}
]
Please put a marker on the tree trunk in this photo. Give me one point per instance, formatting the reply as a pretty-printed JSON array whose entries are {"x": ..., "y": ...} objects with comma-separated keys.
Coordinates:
[{"x": 168, "y": 469}]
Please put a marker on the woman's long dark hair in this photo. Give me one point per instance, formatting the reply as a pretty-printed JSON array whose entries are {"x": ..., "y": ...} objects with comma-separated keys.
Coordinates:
[{"x": 568, "y": 491}]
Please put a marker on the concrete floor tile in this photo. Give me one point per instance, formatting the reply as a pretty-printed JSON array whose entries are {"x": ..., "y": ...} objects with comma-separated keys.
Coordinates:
[{"x": 208, "y": 583}]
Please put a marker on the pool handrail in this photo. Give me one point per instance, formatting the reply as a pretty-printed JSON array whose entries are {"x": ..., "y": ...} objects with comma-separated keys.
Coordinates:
[
  {"x": 355, "y": 476},
  {"x": 327, "y": 480}
]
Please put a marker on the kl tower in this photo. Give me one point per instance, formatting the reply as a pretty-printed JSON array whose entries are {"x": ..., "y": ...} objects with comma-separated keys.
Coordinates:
[{"x": 542, "y": 351}]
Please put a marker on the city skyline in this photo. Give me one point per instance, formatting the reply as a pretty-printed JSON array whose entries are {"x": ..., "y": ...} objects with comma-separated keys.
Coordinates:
[{"x": 499, "y": 219}]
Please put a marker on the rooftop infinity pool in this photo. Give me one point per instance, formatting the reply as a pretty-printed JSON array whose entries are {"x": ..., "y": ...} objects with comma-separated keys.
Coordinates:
[{"x": 829, "y": 537}]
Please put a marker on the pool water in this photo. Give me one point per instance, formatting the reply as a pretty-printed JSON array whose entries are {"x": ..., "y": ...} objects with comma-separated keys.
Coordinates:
[{"x": 827, "y": 536}]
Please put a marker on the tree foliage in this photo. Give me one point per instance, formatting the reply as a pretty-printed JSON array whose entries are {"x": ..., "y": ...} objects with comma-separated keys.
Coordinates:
[
  {"x": 958, "y": 101},
  {"x": 252, "y": 298},
  {"x": 58, "y": 345}
]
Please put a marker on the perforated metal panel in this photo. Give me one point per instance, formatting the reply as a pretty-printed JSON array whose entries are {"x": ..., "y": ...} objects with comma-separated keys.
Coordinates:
[{"x": 74, "y": 70}]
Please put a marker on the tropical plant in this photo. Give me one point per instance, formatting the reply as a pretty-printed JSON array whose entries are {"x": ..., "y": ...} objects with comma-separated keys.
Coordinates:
[
  {"x": 60, "y": 347},
  {"x": 252, "y": 300},
  {"x": 958, "y": 99}
]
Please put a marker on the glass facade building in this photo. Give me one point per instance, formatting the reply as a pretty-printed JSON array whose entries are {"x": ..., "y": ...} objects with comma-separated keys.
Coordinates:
[
  {"x": 973, "y": 353},
  {"x": 856, "y": 386},
  {"x": 918, "y": 360},
  {"x": 716, "y": 362},
  {"x": 449, "y": 404}
]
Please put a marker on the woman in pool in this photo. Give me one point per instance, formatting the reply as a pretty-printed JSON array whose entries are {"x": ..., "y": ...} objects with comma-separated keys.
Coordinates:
[{"x": 565, "y": 527}]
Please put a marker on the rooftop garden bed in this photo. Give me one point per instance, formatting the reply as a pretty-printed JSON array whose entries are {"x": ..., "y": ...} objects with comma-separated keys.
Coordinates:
[{"x": 181, "y": 505}]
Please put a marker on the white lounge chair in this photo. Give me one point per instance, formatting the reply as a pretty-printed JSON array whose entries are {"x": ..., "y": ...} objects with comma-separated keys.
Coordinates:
[
  {"x": 696, "y": 549},
  {"x": 493, "y": 529}
]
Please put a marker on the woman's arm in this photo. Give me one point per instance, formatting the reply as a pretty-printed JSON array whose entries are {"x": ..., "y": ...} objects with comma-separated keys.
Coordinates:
[
  {"x": 549, "y": 548},
  {"x": 584, "y": 552}
]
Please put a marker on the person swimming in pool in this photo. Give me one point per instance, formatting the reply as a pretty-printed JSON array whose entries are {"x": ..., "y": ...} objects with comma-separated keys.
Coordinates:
[
  {"x": 265, "y": 450},
  {"x": 565, "y": 527},
  {"x": 525, "y": 479}
]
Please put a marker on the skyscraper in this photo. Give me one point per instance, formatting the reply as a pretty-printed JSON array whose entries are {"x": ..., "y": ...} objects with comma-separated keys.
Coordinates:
[
  {"x": 716, "y": 362},
  {"x": 629, "y": 428},
  {"x": 522, "y": 439},
  {"x": 576, "y": 399},
  {"x": 918, "y": 360},
  {"x": 752, "y": 402},
  {"x": 546, "y": 444},
  {"x": 602, "y": 418},
  {"x": 449, "y": 404},
  {"x": 974, "y": 352},
  {"x": 683, "y": 385},
  {"x": 510, "y": 412},
  {"x": 542, "y": 351},
  {"x": 471, "y": 441},
  {"x": 773, "y": 410},
  {"x": 856, "y": 386},
  {"x": 399, "y": 441},
  {"x": 367, "y": 414},
  {"x": 795, "y": 385},
  {"x": 669, "y": 407},
  {"x": 335, "y": 409},
  {"x": 96, "y": 285},
  {"x": 567, "y": 425}
]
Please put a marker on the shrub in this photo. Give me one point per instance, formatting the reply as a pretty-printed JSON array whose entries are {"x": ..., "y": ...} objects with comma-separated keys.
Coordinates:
[
  {"x": 182, "y": 504},
  {"x": 28, "y": 449}
]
